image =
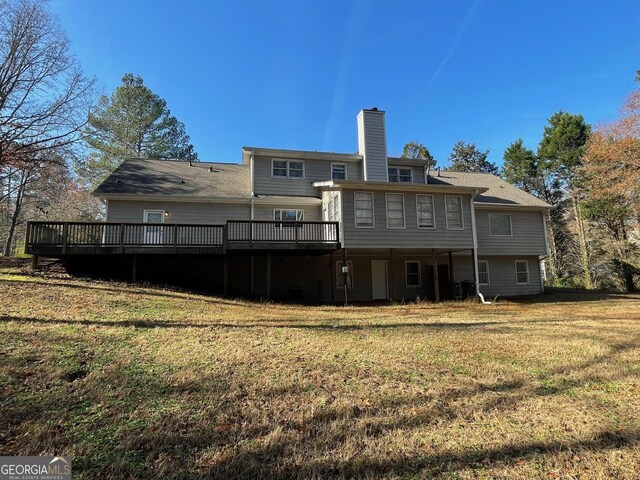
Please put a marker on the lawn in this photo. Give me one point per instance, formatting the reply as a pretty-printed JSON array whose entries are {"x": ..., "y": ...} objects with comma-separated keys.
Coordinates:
[{"x": 139, "y": 382}]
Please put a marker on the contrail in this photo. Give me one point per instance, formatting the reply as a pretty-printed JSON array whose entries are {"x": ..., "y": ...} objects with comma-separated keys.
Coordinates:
[{"x": 468, "y": 18}]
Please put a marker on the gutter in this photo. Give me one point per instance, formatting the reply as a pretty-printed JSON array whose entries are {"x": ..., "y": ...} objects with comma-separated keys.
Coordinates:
[{"x": 474, "y": 233}]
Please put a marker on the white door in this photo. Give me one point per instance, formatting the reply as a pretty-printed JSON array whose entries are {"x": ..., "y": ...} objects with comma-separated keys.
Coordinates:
[
  {"x": 153, "y": 233},
  {"x": 379, "y": 284}
]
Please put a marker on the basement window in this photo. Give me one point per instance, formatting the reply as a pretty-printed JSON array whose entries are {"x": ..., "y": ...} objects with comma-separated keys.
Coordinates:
[
  {"x": 522, "y": 272},
  {"x": 412, "y": 273},
  {"x": 483, "y": 272}
]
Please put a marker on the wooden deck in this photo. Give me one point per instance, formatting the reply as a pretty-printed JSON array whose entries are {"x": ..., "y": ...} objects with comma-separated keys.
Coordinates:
[{"x": 103, "y": 238}]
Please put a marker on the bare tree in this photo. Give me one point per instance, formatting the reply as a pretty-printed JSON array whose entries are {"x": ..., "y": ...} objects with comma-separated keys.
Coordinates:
[{"x": 44, "y": 96}]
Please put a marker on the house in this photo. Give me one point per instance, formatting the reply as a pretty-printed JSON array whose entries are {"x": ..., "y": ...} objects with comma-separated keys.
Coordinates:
[{"x": 283, "y": 224}]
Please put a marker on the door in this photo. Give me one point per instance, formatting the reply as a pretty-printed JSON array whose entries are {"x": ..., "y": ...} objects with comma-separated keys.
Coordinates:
[
  {"x": 379, "y": 283},
  {"x": 153, "y": 233}
]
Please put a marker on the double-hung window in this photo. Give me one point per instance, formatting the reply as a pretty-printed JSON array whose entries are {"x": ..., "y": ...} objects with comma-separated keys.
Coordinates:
[
  {"x": 363, "y": 205},
  {"x": 483, "y": 272},
  {"x": 412, "y": 273},
  {"x": 453, "y": 210},
  {"x": 424, "y": 207},
  {"x": 500, "y": 224},
  {"x": 338, "y": 171},
  {"x": 522, "y": 272},
  {"x": 395, "y": 210},
  {"x": 287, "y": 168},
  {"x": 402, "y": 175}
]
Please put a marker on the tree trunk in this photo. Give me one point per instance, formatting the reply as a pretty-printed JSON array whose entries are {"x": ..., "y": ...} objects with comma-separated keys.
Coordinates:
[
  {"x": 630, "y": 286},
  {"x": 585, "y": 263},
  {"x": 553, "y": 249},
  {"x": 14, "y": 222}
]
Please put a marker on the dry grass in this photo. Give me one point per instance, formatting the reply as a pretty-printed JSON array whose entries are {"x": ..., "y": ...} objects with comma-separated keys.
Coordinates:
[{"x": 151, "y": 383}]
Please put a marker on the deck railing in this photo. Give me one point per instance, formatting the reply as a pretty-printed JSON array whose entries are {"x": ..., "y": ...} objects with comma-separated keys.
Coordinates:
[{"x": 67, "y": 236}]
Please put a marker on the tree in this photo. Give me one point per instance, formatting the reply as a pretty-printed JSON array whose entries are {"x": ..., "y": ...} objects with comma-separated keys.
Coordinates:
[
  {"x": 417, "y": 150},
  {"x": 612, "y": 157},
  {"x": 44, "y": 96},
  {"x": 523, "y": 168},
  {"x": 466, "y": 157},
  {"x": 132, "y": 122},
  {"x": 561, "y": 150}
]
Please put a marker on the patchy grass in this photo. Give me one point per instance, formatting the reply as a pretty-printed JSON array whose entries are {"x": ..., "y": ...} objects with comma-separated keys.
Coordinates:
[{"x": 150, "y": 383}]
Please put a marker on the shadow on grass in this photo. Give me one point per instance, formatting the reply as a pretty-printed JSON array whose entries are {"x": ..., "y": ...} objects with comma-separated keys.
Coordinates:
[{"x": 272, "y": 323}]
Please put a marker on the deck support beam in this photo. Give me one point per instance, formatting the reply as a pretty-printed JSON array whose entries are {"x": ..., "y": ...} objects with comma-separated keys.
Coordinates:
[
  {"x": 436, "y": 281},
  {"x": 345, "y": 277},
  {"x": 34, "y": 262},
  {"x": 252, "y": 286},
  {"x": 394, "y": 289},
  {"x": 451, "y": 281},
  {"x": 332, "y": 277}
]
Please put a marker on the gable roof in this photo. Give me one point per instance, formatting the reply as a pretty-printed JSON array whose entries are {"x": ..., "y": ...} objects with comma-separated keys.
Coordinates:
[
  {"x": 498, "y": 191},
  {"x": 142, "y": 176}
]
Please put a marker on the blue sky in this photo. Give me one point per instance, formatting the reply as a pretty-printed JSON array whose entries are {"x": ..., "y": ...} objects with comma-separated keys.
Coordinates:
[{"x": 294, "y": 74}]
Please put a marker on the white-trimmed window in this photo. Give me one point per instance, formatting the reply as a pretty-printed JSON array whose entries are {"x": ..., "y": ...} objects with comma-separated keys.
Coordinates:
[
  {"x": 500, "y": 224},
  {"x": 483, "y": 272},
  {"x": 453, "y": 210},
  {"x": 395, "y": 210},
  {"x": 363, "y": 207},
  {"x": 340, "y": 275},
  {"x": 522, "y": 272},
  {"x": 413, "y": 277},
  {"x": 425, "y": 211},
  {"x": 401, "y": 175},
  {"x": 338, "y": 171},
  {"x": 288, "y": 215},
  {"x": 332, "y": 211},
  {"x": 287, "y": 168}
]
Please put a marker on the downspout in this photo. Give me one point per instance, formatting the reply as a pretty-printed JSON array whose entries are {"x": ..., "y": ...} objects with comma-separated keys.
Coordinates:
[{"x": 475, "y": 250}]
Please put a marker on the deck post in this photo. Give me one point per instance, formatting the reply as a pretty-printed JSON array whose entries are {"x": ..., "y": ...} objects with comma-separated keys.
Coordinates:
[
  {"x": 134, "y": 268},
  {"x": 451, "y": 282},
  {"x": 332, "y": 277},
  {"x": 345, "y": 276},
  {"x": 474, "y": 266},
  {"x": 122, "y": 238},
  {"x": 268, "y": 275},
  {"x": 34, "y": 262},
  {"x": 175, "y": 238},
  {"x": 65, "y": 235},
  {"x": 436, "y": 285},
  {"x": 394, "y": 290}
]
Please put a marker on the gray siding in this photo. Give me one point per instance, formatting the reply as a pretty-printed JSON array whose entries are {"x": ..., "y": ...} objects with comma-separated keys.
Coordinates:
[
  {"x": 502, "y": 274},
  {"x": 179, "y": 212},
  {"x": 527, "y": 238},
  {"x": 411, "y": 236},
  {"x": 372, "y": 143},
  {"x": 314, "y": 171}
]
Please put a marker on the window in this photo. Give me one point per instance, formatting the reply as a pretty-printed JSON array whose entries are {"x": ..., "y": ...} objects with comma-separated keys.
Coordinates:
[
  {"x": 287, "y": 215},
  {"x": 340, "y": 275},
  {"x": 453, "y": 210},
  {"x": 402, "y": 175},
  {"x": 424, "y": 207},
  {"x": 500, "y": 224},
  {"x": 412, "y": 273},
  {"x": 522, "y": 272},
  {"x": 287, "y": 168},
  {"x": 364, "y": 209},
  {"x": 338, "y": 171},
  {"x": 395, "y": 210},
  {"x": 483, "y": 272},
  {"x": 332, "y": 209}
]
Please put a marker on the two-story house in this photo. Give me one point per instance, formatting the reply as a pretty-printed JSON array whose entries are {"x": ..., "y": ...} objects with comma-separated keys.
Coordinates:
[{"x": 283, "y": 224}]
